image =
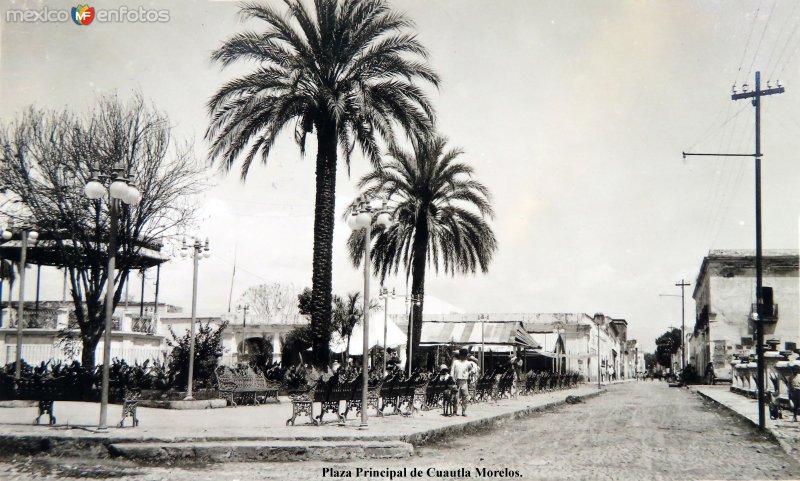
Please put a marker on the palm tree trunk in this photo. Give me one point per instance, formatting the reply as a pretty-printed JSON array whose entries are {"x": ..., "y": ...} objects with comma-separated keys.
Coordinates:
[
  {"x": 322, "y": 277},
  {"x": 418, "y": 264},
  {"x": 89, "y": 346}
]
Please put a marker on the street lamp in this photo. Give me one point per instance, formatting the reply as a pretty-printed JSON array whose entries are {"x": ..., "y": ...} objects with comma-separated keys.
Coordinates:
[
  {"x": 120, "y": 189},
  {"x": 483, "y": 318},
  {"x": 385, "y": 296},
  {"x": 199, "y": 250},
  {"x": 243, "y": 309},
  {"x": 599, "y": 319},
  {"x": 362, "y": 216},
  {"x": 26, "y": 234}
]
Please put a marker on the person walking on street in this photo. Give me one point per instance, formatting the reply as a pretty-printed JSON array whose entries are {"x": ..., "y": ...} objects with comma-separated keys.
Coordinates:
[
  {"x": 461, "y": 370},
  {"x": 794, "y": 393}
]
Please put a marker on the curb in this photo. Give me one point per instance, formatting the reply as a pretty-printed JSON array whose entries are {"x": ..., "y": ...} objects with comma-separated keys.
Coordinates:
[
  {"x": 438, "y": 434},
  {"x": 787, "y": 447},
  {"x": 275, "y": 451}
]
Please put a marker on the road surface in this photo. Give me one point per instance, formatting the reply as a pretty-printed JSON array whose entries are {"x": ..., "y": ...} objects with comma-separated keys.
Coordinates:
[{"x": 635, "y": 431}]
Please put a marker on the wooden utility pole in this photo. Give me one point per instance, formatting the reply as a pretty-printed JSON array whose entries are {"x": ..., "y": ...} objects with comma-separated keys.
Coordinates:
[
  {"x": 682, "y": 285},
  {"x": 756, "y": 95}
]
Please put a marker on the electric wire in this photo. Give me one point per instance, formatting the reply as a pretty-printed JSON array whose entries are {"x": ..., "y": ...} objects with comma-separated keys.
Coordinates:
[
  {"x": 769, "y": 65},
  {"x": 760, "y": 40},
  {"x": 747, "y": 42}
]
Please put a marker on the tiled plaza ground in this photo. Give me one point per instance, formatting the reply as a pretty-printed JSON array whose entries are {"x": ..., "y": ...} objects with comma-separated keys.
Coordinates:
[{"x": 79, "y": 421}]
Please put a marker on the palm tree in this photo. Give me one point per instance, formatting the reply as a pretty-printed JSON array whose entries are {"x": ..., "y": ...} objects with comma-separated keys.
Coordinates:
[
  {"x": 343, "y": 69},
  {"x": 440, "y": 215},
  {"x": 347, "y": 313}
]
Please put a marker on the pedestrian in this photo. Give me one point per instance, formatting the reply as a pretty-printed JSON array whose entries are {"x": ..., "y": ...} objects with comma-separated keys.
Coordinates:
[
  {"x": 449, "y": 392},
  {"x": 794, "y": 393},
  {"x": 461, "y": 370},
  {"x": 473, "y": 377}
]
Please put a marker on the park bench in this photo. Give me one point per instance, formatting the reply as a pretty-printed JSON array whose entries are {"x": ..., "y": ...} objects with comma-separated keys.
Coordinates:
[
  {"x": 330, "y": 394},
  {"x": 390, "y": 394},
  {"x": 47, "y": 391},
  {"x": 486, "y": 387},
  {"x": 505, "y": 386},
  {"x": 409, "y": 394},
  {"x": 243, "y": 386}
]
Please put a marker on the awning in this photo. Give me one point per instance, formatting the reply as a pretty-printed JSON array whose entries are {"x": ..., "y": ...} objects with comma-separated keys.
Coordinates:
[
  {"x": 494, "y": 333},
  {"x": 563, "y": 355}
]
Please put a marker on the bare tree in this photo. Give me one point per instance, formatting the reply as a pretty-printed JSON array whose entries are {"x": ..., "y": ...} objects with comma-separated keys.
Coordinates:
[
  {"x": 273, "y": 302},
  {"x": 46, "y": 159}
]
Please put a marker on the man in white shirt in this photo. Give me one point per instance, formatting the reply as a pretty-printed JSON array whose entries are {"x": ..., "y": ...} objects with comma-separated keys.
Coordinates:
[{"x": 461, "y": 370}]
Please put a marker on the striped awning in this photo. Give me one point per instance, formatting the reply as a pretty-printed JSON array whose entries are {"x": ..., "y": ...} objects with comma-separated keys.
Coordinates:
[{"x": 494, "y": 333}]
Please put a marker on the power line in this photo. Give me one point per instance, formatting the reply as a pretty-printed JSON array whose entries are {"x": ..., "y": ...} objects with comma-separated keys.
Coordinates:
[
  {"x": 763, "y": 32},
  {"x": 785, "y": 44},
  {"x": 747, "y": 42}
]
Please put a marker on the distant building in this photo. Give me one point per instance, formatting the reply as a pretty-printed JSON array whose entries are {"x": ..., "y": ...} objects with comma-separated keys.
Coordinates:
[
  {"x": 569, "y": 341},
  {"x": 725, "y": 301},
  {"x": 135, "y": 335}
]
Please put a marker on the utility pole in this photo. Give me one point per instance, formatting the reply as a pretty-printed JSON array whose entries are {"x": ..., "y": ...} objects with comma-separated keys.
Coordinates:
[
  {"x": 755, "y": 95},
  {"x": 682, "y": 285}
]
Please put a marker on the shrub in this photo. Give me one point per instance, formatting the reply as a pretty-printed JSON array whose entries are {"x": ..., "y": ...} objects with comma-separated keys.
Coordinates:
[{"x": 207, "y": 351}]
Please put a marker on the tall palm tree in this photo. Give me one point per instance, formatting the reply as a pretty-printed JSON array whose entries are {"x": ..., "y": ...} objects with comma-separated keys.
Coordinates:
[
  {"x": 343, "y": 69},
  {"x": 440, "y": 214}
]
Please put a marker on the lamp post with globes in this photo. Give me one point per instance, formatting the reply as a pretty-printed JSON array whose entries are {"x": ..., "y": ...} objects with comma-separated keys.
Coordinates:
[
  {"x": 198, "y": 250},
  {"x": 26, "y": 234},
  {"x": 363, "y": 215},
  {"x": 385, "y": 295},
  {"x": 121, "y": 191}
]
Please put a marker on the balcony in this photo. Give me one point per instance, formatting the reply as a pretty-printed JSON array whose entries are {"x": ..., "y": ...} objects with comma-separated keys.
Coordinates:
[
  {"x": 769, "y": 312},
  {"x": 144, "y": 325},
  {"x": 31, "y": 319}
]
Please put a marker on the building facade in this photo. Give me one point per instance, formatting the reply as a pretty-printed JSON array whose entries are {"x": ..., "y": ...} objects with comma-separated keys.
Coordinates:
[{"x": 725, "y": 302}]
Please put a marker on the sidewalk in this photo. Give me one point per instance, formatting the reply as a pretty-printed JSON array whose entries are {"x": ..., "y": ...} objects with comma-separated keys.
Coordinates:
[
  {"x": 76, "y": 429},
  {"x": 785, "y": 432}
]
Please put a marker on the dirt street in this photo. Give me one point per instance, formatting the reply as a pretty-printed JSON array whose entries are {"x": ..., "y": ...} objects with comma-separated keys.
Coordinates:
[{"x": 636, "y": 431}]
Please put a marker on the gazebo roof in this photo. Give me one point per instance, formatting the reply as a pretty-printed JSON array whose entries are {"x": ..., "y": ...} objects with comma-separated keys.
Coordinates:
[{"x": 45, "y": 252}]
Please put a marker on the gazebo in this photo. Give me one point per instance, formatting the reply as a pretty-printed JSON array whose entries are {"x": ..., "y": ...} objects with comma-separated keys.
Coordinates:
[{"x": 51, "y": 248}]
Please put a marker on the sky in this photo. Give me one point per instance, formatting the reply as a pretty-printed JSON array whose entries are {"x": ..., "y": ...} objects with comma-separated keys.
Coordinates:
[{"x": 573, "y": 113}]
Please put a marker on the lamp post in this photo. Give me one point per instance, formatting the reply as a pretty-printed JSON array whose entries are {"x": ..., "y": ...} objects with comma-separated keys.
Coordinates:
[
  {"x": 26, "y": 234},
  {"x": 243, "y": 310},
  {"x": 385, "y": 296},
  {"x": 198, "y": 250},
  {"x": 122, "y": 190},
  {"x": 362, "y": 215},
  {"x": 483, "y": 318},
  {"x": 598, "y": 320}
]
